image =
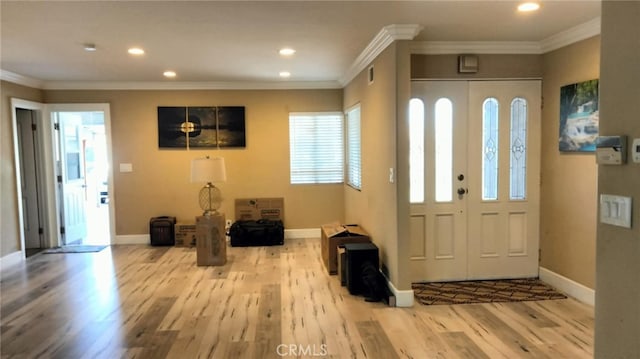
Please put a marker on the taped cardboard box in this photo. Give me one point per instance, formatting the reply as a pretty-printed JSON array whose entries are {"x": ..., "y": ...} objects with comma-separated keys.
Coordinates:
[
  {"x": 336, "y": 234},
  {"x": 253, "y": 209},
  {"x": 185, "y": 234}
]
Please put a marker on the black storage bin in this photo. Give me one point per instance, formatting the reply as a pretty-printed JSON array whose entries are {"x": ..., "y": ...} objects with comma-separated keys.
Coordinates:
[
  {"x": 162, "y": 231},
  {"x": 356, "y": 254},
  {"x": 263, "y": 232}
]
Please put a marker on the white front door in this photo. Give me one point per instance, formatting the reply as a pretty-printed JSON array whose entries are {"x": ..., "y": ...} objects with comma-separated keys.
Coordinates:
[
  {"x": 477, "y": 214},
  {"x": 73, "y": 177}
]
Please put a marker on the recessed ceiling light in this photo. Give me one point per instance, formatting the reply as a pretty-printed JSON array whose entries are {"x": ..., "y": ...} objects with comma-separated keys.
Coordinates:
[
  {"x": 169, "y": 74},
  {"x": 89, "y": 47},
  {"x": 285, "y": 74},
  {"x": 136, "y": 51},
  {"x": 287, "y": 51},
  {"x": 528, "y": 6}
]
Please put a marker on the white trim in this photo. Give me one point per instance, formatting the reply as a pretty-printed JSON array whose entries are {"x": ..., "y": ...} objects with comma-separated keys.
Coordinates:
[
  {"x": 381, "y": 41},
  {"x": 11, "y": 260},
  {"x": 132, "y": 239},
  {"x": 570, "y": 287},
  {"x": 302, "y": 233},
  {"x": 404, "y": 298},
  {"x": 288, "y": 234},
  {"x": 475, "y": 47},
  {"x": 46, "y": 193},
  {"x": 273, "y": 85},
  {"x": 581, "y": 32},
  {"x": 20, "y": 80},
  {"x": 577, "y": 33}
]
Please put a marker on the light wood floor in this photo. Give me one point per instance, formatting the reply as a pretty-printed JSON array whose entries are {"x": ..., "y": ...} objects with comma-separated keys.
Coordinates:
[{"x": 267, "y": 302}]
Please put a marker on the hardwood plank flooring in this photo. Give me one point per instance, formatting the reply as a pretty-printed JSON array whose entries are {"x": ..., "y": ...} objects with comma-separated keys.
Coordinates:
[{"x": 133, "y": 301}]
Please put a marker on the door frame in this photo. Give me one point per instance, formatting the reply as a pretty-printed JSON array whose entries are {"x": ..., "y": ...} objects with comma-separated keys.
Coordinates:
[
  {"x": 47, "y": 174},
  {"x": 46, "y": 194},
  {"x": 414, "y": 271}
]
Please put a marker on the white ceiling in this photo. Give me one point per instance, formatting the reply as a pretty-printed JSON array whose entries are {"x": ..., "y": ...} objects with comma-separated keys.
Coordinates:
[{"x": 238, "y": 41}]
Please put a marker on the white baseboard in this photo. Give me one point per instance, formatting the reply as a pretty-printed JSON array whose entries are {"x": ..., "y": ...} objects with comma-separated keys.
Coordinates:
[
  {"x": 288, "y": 234},
  {"x": 302, "y": 233},
  {"x": 570, "y": 287},
  {"x": 132, "y": 239},
  {"x": 404, "y": 298},
  {"x": 11, "y": 260}
]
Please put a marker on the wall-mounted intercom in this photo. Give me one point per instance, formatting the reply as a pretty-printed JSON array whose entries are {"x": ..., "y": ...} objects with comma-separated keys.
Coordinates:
[
  {"x": 635, "y": 151},
  {"x": 611, "y": 150}
]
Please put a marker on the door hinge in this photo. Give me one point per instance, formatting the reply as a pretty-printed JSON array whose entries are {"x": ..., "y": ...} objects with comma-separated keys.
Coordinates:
[
  {"x": 59, "y": 179},
  {"x": 56, "y": 126},
  {"x": 33, "y": 127},
  {"x": 40, "y": 230},
  {"x": 62, "y": 231}
]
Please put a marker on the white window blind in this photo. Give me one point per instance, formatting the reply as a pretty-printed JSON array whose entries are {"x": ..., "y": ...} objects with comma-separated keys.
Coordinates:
[
  {"x": 316, "y": 146},
  {"x": 354, "y": 164}
]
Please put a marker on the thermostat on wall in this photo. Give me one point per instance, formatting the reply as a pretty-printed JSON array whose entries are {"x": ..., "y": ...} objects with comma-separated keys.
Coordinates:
[{"x": 635, "y": 150}]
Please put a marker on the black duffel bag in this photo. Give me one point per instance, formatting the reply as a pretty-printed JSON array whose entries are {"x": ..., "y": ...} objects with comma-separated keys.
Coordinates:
[{"x": 263, "y": 232}]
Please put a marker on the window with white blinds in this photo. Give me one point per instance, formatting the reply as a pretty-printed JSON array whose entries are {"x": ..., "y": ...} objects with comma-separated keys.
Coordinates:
[
  {"x": 316, "y": 146},
  {"x": 354, "y": 163}
]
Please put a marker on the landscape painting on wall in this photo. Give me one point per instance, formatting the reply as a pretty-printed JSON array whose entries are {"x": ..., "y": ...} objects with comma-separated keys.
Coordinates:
[
  {"x": 579, "y": 117},
  {"x": 201, "y": 127}
]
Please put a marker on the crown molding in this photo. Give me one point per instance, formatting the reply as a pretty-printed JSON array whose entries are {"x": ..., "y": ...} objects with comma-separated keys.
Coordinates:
[
  {"x": 475, "y": 47},
  {"x": 381, "y": 41},
  {"x": 20, "y": 80},
  {"x": 577, "y": 33},
  {"x": 280, "y": 85}
]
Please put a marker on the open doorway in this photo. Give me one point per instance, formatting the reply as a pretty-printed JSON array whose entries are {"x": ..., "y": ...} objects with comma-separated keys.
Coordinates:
[
  {"x": 27, "y": 158},
  {"x": 82, "y": 164}
]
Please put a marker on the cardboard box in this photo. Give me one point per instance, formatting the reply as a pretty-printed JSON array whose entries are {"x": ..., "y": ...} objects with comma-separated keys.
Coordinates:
[
  {"x": 211, "y": 245},
  {"x": 185, "y": 234},
  {"x": 342, "y": 269},
  {"x": 248, "y": 209},
  {"x": 336, "y": 234}
]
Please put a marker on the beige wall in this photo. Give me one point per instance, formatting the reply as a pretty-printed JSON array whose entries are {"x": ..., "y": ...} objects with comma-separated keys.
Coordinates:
[
  {"x": 568, "y": 198},
  {"x": 374, "y": 207},
  {"x": 160, "y": 184},
  {"x": 617, "y": 324},
  {"x": 381, "y": 207},
  {"x": 490, "y": 66},
  {"x": 9, "y": 231}
]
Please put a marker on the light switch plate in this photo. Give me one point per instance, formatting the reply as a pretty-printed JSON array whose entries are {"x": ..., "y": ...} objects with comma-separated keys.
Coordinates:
[
  {"x": 615, "y": 210},
  {"x": 126, "y": 167}
]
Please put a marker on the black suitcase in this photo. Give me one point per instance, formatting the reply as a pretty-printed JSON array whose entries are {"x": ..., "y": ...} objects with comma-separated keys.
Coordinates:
[
  {"x": 263, "y": 232},
  {"x": 162, "y": 231}
]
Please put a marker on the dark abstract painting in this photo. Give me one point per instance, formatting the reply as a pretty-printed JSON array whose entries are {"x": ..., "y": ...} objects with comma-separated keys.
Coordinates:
[{"x": 201, "y": 127}]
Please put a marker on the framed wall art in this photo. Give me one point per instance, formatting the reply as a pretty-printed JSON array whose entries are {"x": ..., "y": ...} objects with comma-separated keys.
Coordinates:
[
  {"x": 201, "y": 127},
  {"x": 579, "y": 117}
]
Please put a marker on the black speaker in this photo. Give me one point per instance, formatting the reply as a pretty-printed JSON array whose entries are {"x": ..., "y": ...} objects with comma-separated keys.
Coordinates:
[
  {"x": 356, "y": 254},
  {"x": 162, "y": 231}
]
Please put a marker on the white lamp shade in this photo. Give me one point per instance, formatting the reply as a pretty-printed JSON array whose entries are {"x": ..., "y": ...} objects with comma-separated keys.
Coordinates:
[{"x": 206, "y": 170}]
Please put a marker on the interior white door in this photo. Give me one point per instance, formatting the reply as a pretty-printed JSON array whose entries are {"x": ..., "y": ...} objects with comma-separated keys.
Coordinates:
[
  {"x": 73, "y": 178},
  {"x": 504, "y": 160},
  {"x": 438, "y": 222},
  {"x": 25, "y": 123},
  {"x": 478, "y": 217}
]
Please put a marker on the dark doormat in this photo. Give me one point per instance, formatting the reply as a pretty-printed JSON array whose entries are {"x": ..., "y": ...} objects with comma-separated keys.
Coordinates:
[
  {"x": 75, "y": 249},
  {"x": 484, "y": 291}
]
